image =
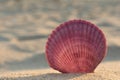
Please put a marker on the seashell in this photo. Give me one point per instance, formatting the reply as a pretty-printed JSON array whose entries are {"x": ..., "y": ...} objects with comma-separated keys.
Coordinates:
[{"x": 76, "y": 46}]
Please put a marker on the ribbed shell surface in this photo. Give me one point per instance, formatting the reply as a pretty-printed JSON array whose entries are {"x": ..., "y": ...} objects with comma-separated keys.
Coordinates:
[{"x": 76, "y": 46}]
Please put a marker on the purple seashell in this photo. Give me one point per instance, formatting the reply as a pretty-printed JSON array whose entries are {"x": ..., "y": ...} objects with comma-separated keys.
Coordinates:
[{"x": 76, "y": 46}]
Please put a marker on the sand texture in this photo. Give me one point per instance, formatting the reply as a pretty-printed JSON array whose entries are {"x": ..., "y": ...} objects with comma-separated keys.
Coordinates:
[
  {"x": 26, "y": 24},
  {"x": 105, "y": 71}
]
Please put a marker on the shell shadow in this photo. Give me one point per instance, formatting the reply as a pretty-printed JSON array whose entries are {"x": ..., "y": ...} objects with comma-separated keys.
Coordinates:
[
  {"x": 50, "y": 76},
  {"x": 112, "y": 53}
]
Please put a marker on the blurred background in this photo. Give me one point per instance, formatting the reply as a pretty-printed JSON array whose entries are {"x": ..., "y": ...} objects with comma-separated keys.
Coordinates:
[{"x": 26, "y": 24}]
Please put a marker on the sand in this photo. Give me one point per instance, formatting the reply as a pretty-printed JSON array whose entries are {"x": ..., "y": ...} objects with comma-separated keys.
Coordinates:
[
  {"x": 26, "y": 25},
  {"x": 105, "y": 71}
]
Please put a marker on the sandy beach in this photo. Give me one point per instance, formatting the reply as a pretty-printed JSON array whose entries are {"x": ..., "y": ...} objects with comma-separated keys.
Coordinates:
[{"x": 25, "y": 26}]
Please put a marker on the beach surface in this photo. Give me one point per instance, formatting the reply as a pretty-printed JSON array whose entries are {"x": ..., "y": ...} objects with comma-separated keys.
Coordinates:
[{"x": 25, "y": 26}]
